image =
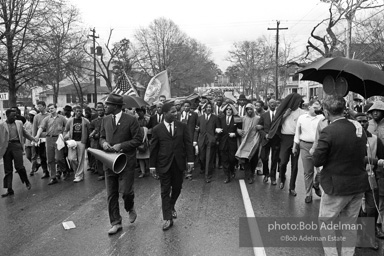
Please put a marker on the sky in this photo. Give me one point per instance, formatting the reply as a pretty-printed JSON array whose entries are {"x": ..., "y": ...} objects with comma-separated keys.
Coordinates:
[{"x": 214, "y": 23}]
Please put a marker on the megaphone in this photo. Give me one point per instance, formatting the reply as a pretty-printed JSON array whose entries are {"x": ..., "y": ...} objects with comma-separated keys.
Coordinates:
[{"x": 114, "y": 161}]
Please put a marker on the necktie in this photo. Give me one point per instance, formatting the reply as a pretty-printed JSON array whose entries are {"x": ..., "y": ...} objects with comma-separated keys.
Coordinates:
[
  {"x": 273, "y": 115},
  {"x": 114, "y": 121},
  {"x": 206, "y": 117},
  {"x": 170, "y": 129},
  {"x": 158, "y": 118},
  {"x": 227, "y": 120}
]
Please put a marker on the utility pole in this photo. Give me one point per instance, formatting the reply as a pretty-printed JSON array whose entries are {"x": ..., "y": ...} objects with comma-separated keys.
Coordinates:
[
  {"x": 93, "y": 36},
  {"x": 277, "y": 56}
]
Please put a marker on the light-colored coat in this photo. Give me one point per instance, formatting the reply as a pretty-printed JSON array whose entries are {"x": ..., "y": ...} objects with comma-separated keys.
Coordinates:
[{"x": 4, "y": 135}]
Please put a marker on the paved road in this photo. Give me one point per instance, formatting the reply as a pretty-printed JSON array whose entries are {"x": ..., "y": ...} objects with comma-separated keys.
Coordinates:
[{"x": 208, "y": 222}]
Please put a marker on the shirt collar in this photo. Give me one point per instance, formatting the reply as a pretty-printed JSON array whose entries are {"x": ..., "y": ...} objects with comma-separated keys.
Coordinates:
[
  {"x": 165, "y": 122},
  {"x": 118, "y": 115}
]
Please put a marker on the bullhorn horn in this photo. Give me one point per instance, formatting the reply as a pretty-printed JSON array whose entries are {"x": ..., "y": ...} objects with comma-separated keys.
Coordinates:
[{"x": 114, "y": 161}]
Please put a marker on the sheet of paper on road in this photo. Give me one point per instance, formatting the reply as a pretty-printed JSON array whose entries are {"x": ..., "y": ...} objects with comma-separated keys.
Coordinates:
[{"x": 69, "y": 225}]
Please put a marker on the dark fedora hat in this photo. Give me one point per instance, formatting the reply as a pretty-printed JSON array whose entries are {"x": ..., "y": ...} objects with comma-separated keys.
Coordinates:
[
  {"x": 242, "y": 97},
  {"x": 115, "y": 99}
]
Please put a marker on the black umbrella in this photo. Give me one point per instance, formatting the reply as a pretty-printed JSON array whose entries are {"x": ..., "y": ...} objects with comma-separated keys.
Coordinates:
[
  {"x": 133, "y": 102},
  {"x": 360, "y": 77}
]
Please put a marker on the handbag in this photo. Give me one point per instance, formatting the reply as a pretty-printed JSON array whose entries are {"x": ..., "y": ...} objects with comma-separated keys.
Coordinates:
[{"x": 143, "y": 147}]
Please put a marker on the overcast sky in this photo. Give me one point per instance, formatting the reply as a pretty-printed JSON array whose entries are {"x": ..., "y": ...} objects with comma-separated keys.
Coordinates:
[{"x": 217, "y": 24}]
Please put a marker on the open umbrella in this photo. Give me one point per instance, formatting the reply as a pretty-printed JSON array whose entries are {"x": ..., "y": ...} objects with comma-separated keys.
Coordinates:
[
  {"x": 355, "y": 75},
  {"x": 133, "y": 102}
]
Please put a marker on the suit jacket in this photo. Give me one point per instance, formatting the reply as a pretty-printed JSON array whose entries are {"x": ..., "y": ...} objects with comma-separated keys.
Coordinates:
[
  {"x": 226, "y": 142},
  {"x": 266, "y": 122},
  {"x": 153, "y": 121},
  {"x": 341, "y": 153},
  {"x": 4, "y": 135},
  {"x": 206, "y": 134},
  {"x": 127, "y": 132},
  {"x": 191, "y": 122},
  {"x": 164, "y": 148}
]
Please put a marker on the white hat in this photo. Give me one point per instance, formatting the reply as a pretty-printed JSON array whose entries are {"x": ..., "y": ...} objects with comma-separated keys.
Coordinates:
[{"x": 32, "y": 112}]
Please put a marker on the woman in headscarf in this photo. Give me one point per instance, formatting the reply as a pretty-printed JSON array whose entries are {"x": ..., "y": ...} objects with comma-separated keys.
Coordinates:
[{"x": 249, "y": 150}]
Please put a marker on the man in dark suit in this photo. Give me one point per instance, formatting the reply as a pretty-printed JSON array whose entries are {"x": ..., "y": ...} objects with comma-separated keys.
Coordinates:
[
  {"x": 269, "y": 145},
  {"x": 228, "y": 142},
  {"x": 156, "y": 118},
  {"x": 340, "y": 150},
  {"x": 120, "y": 132},
  {"x": 190, "y": 118},
  {"x": 170, "y": 147},
  {"x": 205, "y": 138}
]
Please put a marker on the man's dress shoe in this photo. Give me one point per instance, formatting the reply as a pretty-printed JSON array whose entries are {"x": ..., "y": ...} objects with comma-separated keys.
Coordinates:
[
  {"x": 308, "y": 199},
  {"x": 281, "y": 186},
  {"x": 274, "y": 183},
  {"x": 28, "y": 185},
  {"x": 250, "y": 180},
  {"x": 45, "y": 176},
  {"x": 292, "y": 192},
  {"x": 227, "y": 180},
  {"x": 53, "y": 181},
  {"x": 379, "y": 233},
  {"x": 167, "y": 224},
  {"x": 132, "y": 215},
  {"x": 317, "y": 191},
  {"x": 9, "y": 193},
  {"x": 114, "y": 229},
  {"x": 174, "y": 214},
  {"x": 265, "y": 180}
]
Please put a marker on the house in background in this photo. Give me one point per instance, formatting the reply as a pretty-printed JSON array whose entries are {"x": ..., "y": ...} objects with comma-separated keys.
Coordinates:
[{"x": 68, "y": 94}]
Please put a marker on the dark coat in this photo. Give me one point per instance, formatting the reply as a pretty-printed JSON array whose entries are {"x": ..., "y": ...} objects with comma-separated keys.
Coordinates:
[
  {"x": 165, "y": 148},
  {"x": 153, "y": 121},
  {"x": 226, "y": 142},
  {"x": 341, "y": 153},
  {"x": 293, "y": 102},
  {"x": 206, "y": 132},
  {"x": 191, "y": 123},
  {"x": 266, "y": 122},
  {"x": 127, "y": 132}
]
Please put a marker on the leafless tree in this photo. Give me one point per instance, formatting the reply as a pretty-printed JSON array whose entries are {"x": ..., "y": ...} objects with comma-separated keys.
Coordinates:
[
  {"x": 163, "y": 46},
  {"x": 332, "y": 42}
]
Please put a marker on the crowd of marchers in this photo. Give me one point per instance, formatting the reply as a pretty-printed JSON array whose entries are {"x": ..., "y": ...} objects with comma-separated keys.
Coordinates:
[{"x": 257, "y": 138}]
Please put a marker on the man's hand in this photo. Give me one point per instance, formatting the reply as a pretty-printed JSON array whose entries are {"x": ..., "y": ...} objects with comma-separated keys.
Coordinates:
[
  {"x": 117, "y": 147},
  {"x": 294, "y": 150},
  {"x": 218, "y": 130},
  {"x": 36, "y": 140},
  {"x": 311, "y": 151},
  {"x": 232, "y": 134},
  {"x": 194, "y": 143},
  {"x": 287, "y": 112},
  {"x": 107, "y": 146}
]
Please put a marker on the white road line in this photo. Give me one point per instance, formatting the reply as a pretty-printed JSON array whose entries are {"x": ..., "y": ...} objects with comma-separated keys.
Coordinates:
[{"x": 253, "y": 227}]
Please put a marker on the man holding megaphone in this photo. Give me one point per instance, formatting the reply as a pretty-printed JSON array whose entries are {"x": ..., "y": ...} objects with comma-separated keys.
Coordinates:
[{"x": 120, "y": 133}]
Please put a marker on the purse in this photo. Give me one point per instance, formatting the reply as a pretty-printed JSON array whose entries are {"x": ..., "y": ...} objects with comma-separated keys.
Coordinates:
[{"x": 143, "y": 147}]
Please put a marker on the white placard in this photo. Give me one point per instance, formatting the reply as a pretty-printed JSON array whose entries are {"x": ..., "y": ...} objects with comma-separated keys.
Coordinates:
[{"x": 4, "y": 96}]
